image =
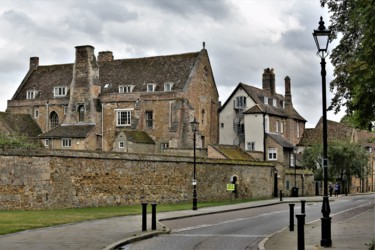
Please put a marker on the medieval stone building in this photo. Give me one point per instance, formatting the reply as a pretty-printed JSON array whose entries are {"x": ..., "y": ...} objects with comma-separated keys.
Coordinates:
[{"x": 124, "y": 105}]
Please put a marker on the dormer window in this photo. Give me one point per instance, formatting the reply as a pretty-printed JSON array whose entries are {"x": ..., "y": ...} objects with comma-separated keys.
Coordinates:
[
  {"x": 125, "y": 88},
  {"x": 31, "y": 94},
  {"x": 59, "y": 91},
  {"x": 151, "y": 87},
  {"x": 274, "y": 102},
  {"x": 265, "y": 100},
  {"x": 168, "y": 86},
  {"x": 240, "y": 102},
  {"x": 282, "y": 104}
]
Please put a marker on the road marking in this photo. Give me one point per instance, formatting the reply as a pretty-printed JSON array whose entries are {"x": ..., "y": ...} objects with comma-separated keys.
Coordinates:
[{"x": 219, "y": 235}]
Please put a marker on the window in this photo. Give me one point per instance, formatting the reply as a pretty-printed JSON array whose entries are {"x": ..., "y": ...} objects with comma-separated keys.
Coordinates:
[
  {"x": 36, "y": 113},
  {"x": 31, "y": 94},
  {"x": 274, "y": 102},
  {"x": 54, "y": 120},
  {"x": 292, "y": 160},
  {"x": 81, "y": 113},
  {"x": 222, "y": 124},
  {"x": 149, "y": 119},
  {"x": 164, "y": 146},
  {"x": 265, "y": 100},
  {"x": 65, "y": 109},
  {"x": 277, "y": 126},
  {"x": 46, "y": 142},
  {"x": 240, "y": 102},
  {"x": 168, "y": 86},
  {"x": 272, "y": 154},
  {"x": 121, "y": 144},
  {"x": 150, "y": 87},
  {"x": 203, "y": 116},
  {"x": 250, "y": 146},
  {"x": 123, "y": 117},
  {"x": 125, "y": 88},
  {"x": 282, "y": 127},
  {"x": 266, "y": 124},
  {"x": 59, "y": 91},
  {"x": 298, "y": 129},
  {"x": 66, "y": 142}
]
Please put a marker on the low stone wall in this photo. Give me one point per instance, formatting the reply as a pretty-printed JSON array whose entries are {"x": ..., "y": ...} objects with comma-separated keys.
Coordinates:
[{"x": 64, "y": 179}]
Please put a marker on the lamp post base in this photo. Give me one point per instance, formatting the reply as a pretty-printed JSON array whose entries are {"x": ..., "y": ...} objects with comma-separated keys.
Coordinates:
[{"x": 326, "y": 240}]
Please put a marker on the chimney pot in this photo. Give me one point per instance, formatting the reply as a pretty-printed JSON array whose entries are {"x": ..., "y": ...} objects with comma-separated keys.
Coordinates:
[{"x": 34, "y": 62}]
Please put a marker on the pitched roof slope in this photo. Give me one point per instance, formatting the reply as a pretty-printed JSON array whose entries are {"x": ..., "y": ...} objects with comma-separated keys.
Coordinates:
[
  {"x": 233, "y": 152},
  {"x": 137, "y": 72},
  {"x": 68, "y": 131},
  {"x": 18, "y": 124}
]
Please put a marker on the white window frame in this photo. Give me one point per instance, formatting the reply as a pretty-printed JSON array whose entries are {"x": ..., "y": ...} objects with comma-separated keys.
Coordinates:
[
  {"x": 250, "y": 146},
  {"x": 282, "y": 127},
  {"x": 66, "y": 142},
  {"x": 149, "y": 118},
  {"x": 240, "y": 102},
  {"x": 266, "y": 100},
  {"x": 168, "y": 86},
  {"x": 60, "y": 91},
  {"x": 277, "y": 126},
  {"x": 274, "y": 102},
  {"x": 272, "y": 154},
  {"x": 121, "y": 144},
  {"x": 164, "y": 146},
  {"x": 123, "y": 121},
  {"x": 125, "y": 88},
  {"x": 151, "y": 87},
  {"x": 46, "y": 143},
  {"x": 30, "y": 94},
  {"x": 266, "y": 124}
]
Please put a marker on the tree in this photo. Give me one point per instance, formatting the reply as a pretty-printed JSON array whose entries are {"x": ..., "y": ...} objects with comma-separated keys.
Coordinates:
[
  {"x": 353, "y": 59},
  {"x": 344, "y": 160}
]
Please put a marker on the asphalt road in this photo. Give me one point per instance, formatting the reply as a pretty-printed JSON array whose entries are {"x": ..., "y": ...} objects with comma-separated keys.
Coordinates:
[{"x": 242, "y": 229}]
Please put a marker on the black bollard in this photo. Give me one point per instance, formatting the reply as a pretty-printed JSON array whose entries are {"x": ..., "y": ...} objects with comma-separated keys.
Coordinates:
[
  {"x": 144, "y": 216},
  {"x": 291, "y": 217},
  {"x": 303, "y": 207},
  {"x": 301, "y": 231},
  {"x": 281, "y": 195},
  {"x": 153, "y": 221}
]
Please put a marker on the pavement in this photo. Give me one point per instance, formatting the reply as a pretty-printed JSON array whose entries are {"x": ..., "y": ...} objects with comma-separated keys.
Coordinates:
[{"x": 353, "y": 233}]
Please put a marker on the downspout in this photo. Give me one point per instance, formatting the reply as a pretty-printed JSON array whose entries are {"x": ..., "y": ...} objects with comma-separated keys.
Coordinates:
[
  {"x": 102, "y": 127},
  {"x": 264, "y": 137},
  {"x": 47, "y": 119}
]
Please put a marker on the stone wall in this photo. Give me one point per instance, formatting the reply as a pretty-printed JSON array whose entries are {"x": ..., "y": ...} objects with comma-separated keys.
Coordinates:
[{"x": 63, "y": 179}]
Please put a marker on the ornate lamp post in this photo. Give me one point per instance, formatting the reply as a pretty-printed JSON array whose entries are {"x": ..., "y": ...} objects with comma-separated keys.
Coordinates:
[
  {"x": 322, "y": 37},
  {"x": 194, "y": 128}
]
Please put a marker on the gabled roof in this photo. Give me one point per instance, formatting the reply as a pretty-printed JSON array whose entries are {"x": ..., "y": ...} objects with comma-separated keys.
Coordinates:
[
  {"x": 280, "y": 140},
  {"x": 335, "y": 131},
  {"x": 18, "y": 124},
  {"x": 257, "y": 95},
  {"x": 138, "y": 137},
  {"x": 232, "y": 152},
  {"x": 138, "y": 72},
  {"x": 68, "y": 131}
]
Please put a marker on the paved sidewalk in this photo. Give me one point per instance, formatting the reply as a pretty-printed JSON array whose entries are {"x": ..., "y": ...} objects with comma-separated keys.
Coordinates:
[{"x": 109, "y": 233}]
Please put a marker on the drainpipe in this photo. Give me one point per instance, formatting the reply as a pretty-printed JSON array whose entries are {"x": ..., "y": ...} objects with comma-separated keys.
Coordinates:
[
  {"x": 47, "y": 111},
  {"x": 264, "y": 137},
  {"x": 102, "y": 127}
]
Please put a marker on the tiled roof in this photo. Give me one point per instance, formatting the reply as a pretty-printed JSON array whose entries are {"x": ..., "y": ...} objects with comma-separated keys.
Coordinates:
[
  {"x": 138, "y": 72},
  {"x": 68, "y": 131},
  {"x": 335, "y": 131},
  {"x": 233, "y": 152},
  {"x": 280, "y": 140},
  {"x": 139, "y": 137},
  {"x": 19, "y": 124}
]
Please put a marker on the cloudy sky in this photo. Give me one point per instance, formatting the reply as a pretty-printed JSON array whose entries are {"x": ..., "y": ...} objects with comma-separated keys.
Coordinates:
[{"x": 243, "y": 37}]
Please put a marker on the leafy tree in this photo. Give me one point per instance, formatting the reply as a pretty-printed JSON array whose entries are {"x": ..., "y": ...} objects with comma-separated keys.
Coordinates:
[
  {"x": 353, "y": 59},
  {"x": 344, "y": 160}
]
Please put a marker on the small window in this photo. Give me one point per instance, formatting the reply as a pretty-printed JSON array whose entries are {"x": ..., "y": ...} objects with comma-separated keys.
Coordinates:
[
  {"x": 277, "y": 126},
  {"x": 250, "y": 146},
  {"x": 121, "y": 144},
  {"x": 274, "y": 103},
  {"x": 65, "y": 109},
  {"x": 168, "y": 86},
  {"x": 46, "y": 142},
  {"x": 59, "y": 91},
  {"x": 31, "y": 94},
  {"x": 150, "y": 87},
  {"x": 298, "y": 132},
  {"x": 66, "y": 142},
  {"x": 149, "y": 119},
  {"x": 222, "y": 125},
  {"x": 272, "y": 154},
  {"x": 36, "y": 113},
  {"x": 123, "y": 117},
  {"x": 266, "y": 124},
  {"x": 81, "y": 113},
  {"x": 125, "y": 88},
  {"x": 164, "y": 146},
  {"x": 240, "y": 102},
  {"x": 265, "y": 100}
]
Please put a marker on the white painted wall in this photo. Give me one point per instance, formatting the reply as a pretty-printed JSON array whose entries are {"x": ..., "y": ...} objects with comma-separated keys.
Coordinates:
[{"x": 254, "y": 130}]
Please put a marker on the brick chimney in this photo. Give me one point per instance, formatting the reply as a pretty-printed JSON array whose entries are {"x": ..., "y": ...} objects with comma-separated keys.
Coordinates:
[
  {"x": 84, "y": 87},
  {"x": 269, "y": 81},
  {"x": 288, "y": 94},
  {"x": 105, "y": 56},
  {"x": 34, "y": 62}
]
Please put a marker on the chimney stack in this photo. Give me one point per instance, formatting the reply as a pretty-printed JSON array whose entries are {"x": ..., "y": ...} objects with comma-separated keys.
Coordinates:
[
  {"x": 288, "y": 94},
  {"x": 34, "y": 62},
  {"x": 105, "y": 56},
  {"x": 269, "y": 81}
]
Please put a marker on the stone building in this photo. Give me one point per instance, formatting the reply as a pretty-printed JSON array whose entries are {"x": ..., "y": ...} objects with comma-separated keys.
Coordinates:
[{"x": 123, "y": 105}]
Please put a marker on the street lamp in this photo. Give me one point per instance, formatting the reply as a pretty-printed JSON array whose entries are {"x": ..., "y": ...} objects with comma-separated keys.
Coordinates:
[
  {"x": 194, "y": 128},
  {"x": 322, "y": 37}
]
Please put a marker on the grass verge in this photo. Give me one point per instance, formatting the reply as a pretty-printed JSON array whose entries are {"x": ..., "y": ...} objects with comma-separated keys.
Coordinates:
[{"x": 16, "y": 220}]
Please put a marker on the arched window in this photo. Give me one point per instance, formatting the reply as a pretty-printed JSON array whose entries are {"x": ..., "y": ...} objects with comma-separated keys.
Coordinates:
[
  {"x": 203, "y": 116},
  {"x": 81, "y": 113},
  {"x": 54, "y": 120}
]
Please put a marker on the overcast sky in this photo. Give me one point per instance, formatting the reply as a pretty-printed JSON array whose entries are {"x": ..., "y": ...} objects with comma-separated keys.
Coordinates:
[{"x": 243, "y": 37}]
